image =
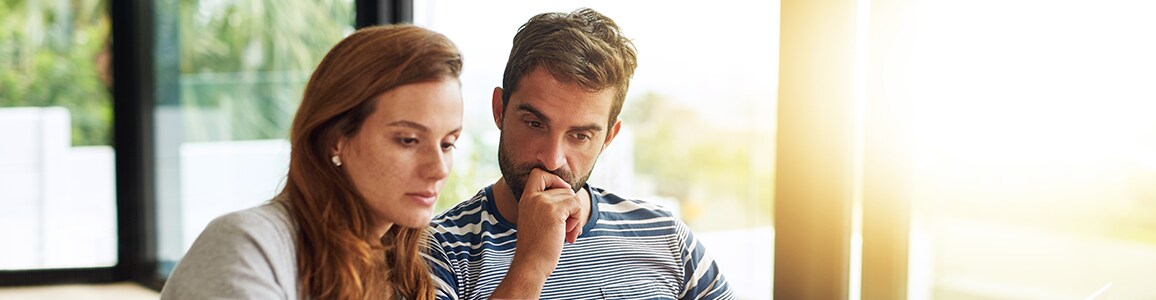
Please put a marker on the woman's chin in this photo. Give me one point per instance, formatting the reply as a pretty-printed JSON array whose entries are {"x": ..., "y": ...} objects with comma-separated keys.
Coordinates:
[{"x": 417, "y": 220}]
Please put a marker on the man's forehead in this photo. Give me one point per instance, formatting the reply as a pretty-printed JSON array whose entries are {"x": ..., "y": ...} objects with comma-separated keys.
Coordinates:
[{"x": 544, "y": 92}]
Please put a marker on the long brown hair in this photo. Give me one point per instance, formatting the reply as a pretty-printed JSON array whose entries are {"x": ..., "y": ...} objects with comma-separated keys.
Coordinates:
[{"x": 338, "y": 256}]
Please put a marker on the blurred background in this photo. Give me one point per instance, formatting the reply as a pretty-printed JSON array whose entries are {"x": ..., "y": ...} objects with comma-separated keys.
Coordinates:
[{"x": 1032, "y": 138}]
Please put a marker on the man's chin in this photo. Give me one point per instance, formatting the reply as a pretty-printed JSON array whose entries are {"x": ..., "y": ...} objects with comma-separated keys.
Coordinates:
[{"x": 516, "y": 188}]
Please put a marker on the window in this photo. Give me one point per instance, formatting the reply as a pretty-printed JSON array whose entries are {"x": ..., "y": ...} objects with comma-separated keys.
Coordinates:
[
  {"x": 229, "y": 77},
  {"x": 698, "y": 130},
  {"x": 1034, "y": 150},
  {"x": 56, "y": 162}
]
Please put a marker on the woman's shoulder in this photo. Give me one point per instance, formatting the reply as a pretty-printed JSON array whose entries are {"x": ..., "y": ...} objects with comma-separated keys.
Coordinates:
[
  {"x": 267, "y": 228},
  {"x": 267, "y": 231},
  {"x": 265, "y": 219},
  {"x": 243, "y": 254}
]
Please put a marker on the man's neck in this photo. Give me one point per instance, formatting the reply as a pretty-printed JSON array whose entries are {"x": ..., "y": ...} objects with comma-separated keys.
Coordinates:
[{"x": 508, "y": 206}]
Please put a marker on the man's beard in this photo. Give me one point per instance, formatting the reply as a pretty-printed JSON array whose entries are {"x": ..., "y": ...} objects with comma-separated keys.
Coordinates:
[{"x": 516, "y": 174}]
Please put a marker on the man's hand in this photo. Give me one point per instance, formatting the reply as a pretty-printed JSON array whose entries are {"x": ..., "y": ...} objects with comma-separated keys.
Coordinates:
[
  {"x": 546, "y": 198},
  {"x": 548, "y": 216}
]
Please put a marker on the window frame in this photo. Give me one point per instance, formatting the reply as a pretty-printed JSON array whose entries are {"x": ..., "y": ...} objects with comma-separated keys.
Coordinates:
[
  {"x": 133, "y": 98},
  {"x": 840, "y": 150},
  {"x": 814, "y": 181}
]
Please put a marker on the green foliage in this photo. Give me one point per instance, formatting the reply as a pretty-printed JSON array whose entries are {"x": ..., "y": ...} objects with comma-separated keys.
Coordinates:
[
  {"x": 244, "y": 64},
  {"x": 54, "y": 53}
]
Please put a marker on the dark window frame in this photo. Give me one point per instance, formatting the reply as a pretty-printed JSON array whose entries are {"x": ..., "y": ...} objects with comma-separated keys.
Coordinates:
[{"x": 134, "y": 96}]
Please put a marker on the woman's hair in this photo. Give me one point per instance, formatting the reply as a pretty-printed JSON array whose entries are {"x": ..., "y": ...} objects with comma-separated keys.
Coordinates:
[
  {"x": 338, "y": 254},
  {"x": 583, "y": 47}
]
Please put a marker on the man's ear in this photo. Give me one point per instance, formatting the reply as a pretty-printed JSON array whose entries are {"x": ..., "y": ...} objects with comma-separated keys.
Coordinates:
[
  {"x": 611, "y": 133},
  {"x": 498, "y": 107}
]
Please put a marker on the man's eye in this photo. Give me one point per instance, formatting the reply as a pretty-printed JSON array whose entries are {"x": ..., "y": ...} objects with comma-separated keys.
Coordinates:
[
  {"x": 582, "y": 137},
  {"x": 534, "y": 124}
]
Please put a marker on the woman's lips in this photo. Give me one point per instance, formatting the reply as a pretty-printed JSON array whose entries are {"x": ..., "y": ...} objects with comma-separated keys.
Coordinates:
[{"x": 423, "y": 198}]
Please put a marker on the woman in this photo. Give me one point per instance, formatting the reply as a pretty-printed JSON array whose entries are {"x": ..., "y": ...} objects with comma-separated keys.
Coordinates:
[{"x": 371, "y": 147}]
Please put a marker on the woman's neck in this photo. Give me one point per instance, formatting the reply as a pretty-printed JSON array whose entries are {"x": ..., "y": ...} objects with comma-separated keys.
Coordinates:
[{"x": 381, "y": 229}]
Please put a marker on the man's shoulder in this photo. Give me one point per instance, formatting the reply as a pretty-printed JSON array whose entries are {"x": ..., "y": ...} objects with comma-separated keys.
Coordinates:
[
  {"x": 468, "y": 211},
  {"x": 469, "y": 225},
  {"x": 630, "y": 209}
]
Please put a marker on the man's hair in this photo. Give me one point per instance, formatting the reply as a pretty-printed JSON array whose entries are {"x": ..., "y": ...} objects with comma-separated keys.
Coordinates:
[{"x": 583, "y": 47}]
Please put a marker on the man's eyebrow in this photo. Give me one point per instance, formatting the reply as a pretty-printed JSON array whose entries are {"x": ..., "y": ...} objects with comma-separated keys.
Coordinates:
[
  {"x": 534, "y": 111},
  {"x": 588, "y": 127},
  {"x": 410, "y": 124}
]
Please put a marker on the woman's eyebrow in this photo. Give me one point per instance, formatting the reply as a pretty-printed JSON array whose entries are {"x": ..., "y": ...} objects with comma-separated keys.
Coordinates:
[{"x": 409, "y": 124}]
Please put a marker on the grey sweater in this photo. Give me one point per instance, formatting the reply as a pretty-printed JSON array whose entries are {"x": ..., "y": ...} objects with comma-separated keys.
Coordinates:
[{"x": 249, "y": 254}]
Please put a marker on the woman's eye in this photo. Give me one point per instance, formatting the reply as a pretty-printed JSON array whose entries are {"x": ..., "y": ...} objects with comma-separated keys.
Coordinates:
[
  {"x": 408, "y": 141},
  {"x": 448, "y": 146}
]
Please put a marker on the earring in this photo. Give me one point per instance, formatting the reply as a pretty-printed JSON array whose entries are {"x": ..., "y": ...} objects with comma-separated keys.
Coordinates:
[{"x": 336, "y": 160}]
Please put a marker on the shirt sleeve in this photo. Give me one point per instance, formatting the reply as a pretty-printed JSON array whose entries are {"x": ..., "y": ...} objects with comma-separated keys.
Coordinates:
[
  {"x": 444, "y": 278},
  {"x": 229, "y": 261},
  {"x": 701, "y": 276}
]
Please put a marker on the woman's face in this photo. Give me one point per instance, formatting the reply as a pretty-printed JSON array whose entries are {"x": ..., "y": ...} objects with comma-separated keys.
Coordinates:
[{"x": 401, "y": 156}]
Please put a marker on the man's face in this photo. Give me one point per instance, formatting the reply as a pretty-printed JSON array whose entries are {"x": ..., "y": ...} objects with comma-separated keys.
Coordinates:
[{"x": 555, "y": 126}]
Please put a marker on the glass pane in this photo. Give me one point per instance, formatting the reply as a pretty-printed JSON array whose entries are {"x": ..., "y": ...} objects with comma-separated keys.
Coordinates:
[
  {"x": 698, "y": 132},
  {"x": 57, "y": 184},
  {"x": 230, "y": 74},
  {"x": 1036, "y": 150}
]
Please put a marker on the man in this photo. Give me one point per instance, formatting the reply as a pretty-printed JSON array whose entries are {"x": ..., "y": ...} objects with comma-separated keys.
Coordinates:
[{"x": 540, "y": 231}]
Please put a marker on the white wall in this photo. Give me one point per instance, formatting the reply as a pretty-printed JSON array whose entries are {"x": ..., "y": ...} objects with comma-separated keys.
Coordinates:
[{"x": 58, "y": 200}]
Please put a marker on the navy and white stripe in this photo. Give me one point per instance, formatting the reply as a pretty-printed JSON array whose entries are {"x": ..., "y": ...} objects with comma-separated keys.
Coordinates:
[{"x": 629, "y": 249}]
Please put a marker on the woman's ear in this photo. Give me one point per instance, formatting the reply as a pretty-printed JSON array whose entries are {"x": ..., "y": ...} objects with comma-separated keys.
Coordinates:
[
  {"x": 335, "y": 154},
  {"x": 340, "y": 144}
]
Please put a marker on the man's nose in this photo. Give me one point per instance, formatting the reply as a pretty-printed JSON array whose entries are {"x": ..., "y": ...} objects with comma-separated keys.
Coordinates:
[{"x": 552, "y": 154}]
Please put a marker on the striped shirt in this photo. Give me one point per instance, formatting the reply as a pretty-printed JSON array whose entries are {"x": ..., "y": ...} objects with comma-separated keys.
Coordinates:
[{"x": 629, "y": 249}]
